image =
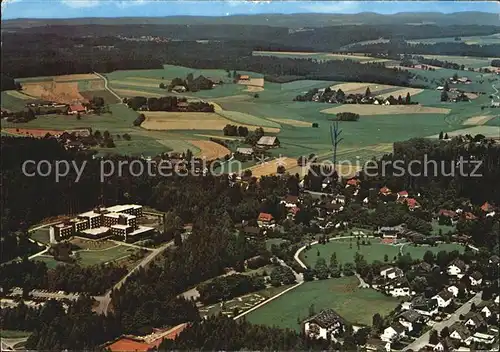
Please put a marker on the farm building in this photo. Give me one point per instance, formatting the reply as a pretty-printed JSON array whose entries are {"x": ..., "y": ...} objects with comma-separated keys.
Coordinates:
[
  {"x": 77, "y": 108},
  {"x": 245, "y": 151},
  {"x": 179, "y": 89},
  {"x": 268, "y": 142},
  {"x": 244, "y": 77}
]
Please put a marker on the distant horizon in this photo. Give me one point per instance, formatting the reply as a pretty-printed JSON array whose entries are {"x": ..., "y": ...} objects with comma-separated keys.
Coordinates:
[{"x": 82, "y": 9}]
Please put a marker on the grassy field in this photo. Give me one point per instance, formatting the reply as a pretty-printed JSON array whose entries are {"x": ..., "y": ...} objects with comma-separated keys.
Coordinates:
[
  {"x": 93, "y": 257},
  {"x": 444, "y": 228},
  {"x": 480, "y": 40},
  {"x": 14, "y": 334},
  {"x": 319, "y": 56},
  {"x": 343, "y": 295},
  {"x": 375, "y": 251}
]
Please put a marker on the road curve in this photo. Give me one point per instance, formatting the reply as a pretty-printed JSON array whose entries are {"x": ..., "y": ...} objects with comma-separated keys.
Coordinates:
[{"x": 106, "y": 86}]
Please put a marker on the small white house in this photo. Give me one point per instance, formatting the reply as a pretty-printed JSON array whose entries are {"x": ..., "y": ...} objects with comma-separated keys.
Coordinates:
[
  {"x": 476, "y": 278},
  {"x": 391, "y": 273},
  {"x": 393, "y": 332},
  {"x": 443, "y": 298},
  {"x": 453, "y": 289},
  {"x": 400, "y": 292},
  {"x": 497, "y": 299},
  {"x": 325, "y": 325},
  {"x": 456, "y": 268}
]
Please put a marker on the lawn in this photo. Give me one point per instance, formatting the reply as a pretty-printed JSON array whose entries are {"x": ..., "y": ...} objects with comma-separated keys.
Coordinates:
[
  {"x": 343, "y": 295},
  {"x": 93, "y": 257},
  {"x": 319, "y": 56},
  {"x": 41, "y": 235},
  {"x": 345, "y": 254},
  {"x": 14, "y": 334},
  {"x": 417, "y": 252},
  {"x": 444, "y": 228}
]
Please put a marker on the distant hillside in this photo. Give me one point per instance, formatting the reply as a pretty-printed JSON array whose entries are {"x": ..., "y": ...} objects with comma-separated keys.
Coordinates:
[{"x": 279, "y": 20}]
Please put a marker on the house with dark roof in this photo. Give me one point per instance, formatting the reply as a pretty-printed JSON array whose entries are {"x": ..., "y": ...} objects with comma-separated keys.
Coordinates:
[
  {"x": 412, "y": 320},
  {"x": 425, "y": 306},
  {"x": 476, "y": 278},
  {"x": 494, "y": 260},
  {"x": 456, "y": 268},
  {"x": 444, "y": 298},
  {"x": 422, "y": 268},
  {"x": 393, "y": 332},
  {"x": 326, "y": 325},
  {"x": 459, "y": 332},
  {"x": 474, "y": 321},
  {"x": 290, "y": 201},
  {"x": 252, "y": 231}
]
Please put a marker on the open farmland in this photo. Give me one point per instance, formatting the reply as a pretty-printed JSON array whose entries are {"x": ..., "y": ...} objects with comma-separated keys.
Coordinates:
[
  {"x": 352, "y": 303},
  {"x": 319, "y": 56},
  {"x": 370, "y": 110},
  {"x": 487, "y": 131},
  {"x": 61, "y": 92},
  {"x": 159, "y": 120},
  {"x": 210, "y": 150},
  {"x": 269, "y": 167},
  {"x": 470, "y": 40},
  {"x": 478, "y": 120},
  {"x": 468, "y": 61}
]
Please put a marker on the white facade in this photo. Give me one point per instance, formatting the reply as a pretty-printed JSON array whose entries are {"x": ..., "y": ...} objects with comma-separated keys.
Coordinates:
[
  {"x": 486, "y": 311},
  {"x": 454, "y": 270},
  {"x": 442, "y": 303},
  {"x": 391, "y": 335},
  {"x": 400, "y": 292},
  {"x": 475, "y": 282},
  {"x": 453, "y": 290}
]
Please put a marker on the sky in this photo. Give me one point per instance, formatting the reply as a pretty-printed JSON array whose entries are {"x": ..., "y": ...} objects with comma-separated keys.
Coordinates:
[{"x": 159, "y": 8}]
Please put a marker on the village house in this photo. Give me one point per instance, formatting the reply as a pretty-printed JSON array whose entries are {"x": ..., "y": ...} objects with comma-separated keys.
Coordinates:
[
  {"x": 487, "y": 309},
  {"x": 487, "y": 207},
  {"x": 411, "y": 203},
  {"x": 353, "y": 182},
  {"x": 77, "y": 109},
  {"x": 425, "y": 306},
  {"x": 459, "y": 332},
  {"x": 422, "y": 268},
  {"x": 402, "y": 194},
  {"x": 179, "y": 89},
  {"x": 482, "y": 338},
  {"x": 443, "y": 345},
  {"x": 494, "y": 260},
  {"x": 444, "y": 298},
  {"x": 476, "y": 278},
  {"x": 245, "y": 151},
  {"x": 474, "y": 321},
  {"x": 453, "y": 290},
  {"x": 399, "y": 287},
  {"x": 252, "y": 231},
  {"x": 456, "y": 268},
  {"x": 326, "y": 325},
  {"x": 393, "y": 332},
  {"x": 385, "y": 191},
  {"x": 290, "y": 201},
  {"x": 182, "y": 106},
  {"x": 391, "y": 273},
  {"x": 268, "y": 142},
  {"x": 412, "y": 320},
  {"x": 244, "y": 77},
  {"x": 265, "y": 220}
]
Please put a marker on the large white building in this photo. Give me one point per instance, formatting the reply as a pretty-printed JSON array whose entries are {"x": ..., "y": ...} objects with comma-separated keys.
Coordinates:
[{"x": 325, "y": 325}]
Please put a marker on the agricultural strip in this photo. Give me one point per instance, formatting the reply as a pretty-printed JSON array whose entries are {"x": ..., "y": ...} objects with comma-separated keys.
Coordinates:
[
  {"x": 402, "y": 92},
  {"x": 210, "y": 150},
  {"x": 128, "y": 93},
  {"x": 487, "y": 131},
  {"x": 296, "y": 123},
  {"x": 477, "y": 120},
  {"x": 77, "y": 77},
  {"x": 270, "y": 167},
  {"x": 366, "y": 110}
]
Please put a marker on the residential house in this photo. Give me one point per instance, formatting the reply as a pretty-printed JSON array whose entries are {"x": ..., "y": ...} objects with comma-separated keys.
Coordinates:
[
  {"x": 457, "y": 268},
  {"x": 265, "y": 220},
  {"x": 326, "y": 325},
  {"x": 339, "y": 199},
  {"x": 497, "y": 299},
  {"x": 487, "y": 309},
  {"x": 179, "y": 89},
  {"x": 444, "y": 298},
  {"x": 494, "y": 260},
  {"x": 330, "y": 208},
  {"x": 244, "y": 77},
  {"x": 487, "y": 207},
  {"x": 268, "y": 142},
  {"x": 393, "y": 332},
  {"x": 77, "y": 109},
  {"x": 474, "y": 321},
  {"x": 411, "y": 203},
  {"x": 251, "y": 231},
  {"x": 425, "y": 306},
  {"x": 412, "y": 320},
  {"x": 459, "y": 332},
  {"x": 468, "y": 216},
  {"x": 182, "y": 106},
  {"x": 292, "y": 212},
  {"x": 476, "y": 278},
  {"x": 399, "y": 287},
  {"x": 290, "y": 201},
  {"x": 422, "y": 268},
  {"x": 445, "y": 213},
  {"x": 453, "y": 290},
  {"x": 444, "y": 345},
  {"x": 482, "y": 338},
  {"x": 391, "y": 273},
  {"x": 402, "y": 194},
  {"x": 353, "y": 182},
  {"x": 385, "y": 191}
]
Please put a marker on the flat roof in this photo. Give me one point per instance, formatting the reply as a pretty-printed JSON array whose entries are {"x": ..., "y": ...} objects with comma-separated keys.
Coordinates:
[
  {"x": 122, "y": 227},
  {"x": 96, "y": 231},
  {"x": 117, "y": 215},
  {"x": 89, "y": 214},
  {"x": 122, "y": 207},
  {"x": 140, "y": 229},
  {"x": 62, "y": 225}
]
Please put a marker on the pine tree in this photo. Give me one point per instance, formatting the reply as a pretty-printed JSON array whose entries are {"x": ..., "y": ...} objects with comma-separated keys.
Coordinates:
[
  {"x": 408, "y": 99},
  {"x": 368, "y": 93},
  {"x": 441, "y": 135}
]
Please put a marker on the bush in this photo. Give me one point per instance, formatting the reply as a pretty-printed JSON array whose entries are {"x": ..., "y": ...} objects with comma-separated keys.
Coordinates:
[
  {"x": 315, "y": 125},
  {"x": 139, "y": 120}
]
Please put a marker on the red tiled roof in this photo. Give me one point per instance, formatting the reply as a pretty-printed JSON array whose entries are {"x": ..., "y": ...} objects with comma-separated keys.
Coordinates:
[
  {"x": 353, "y": 182},
  {"x": 412, "y": 203},
  {"x": 128, "y": 345},
  {"x": 447, "y": 213},
  {"x": 469, "y": 216},
  {"x": 486, "y": 207},
  {"x": 77, "y": 107},
  {"x": 403, "y": 193},
  {"x": 265, "y": 217},
  {"x": 385, "y": 190},
  {"x": 294, "y": 210}
]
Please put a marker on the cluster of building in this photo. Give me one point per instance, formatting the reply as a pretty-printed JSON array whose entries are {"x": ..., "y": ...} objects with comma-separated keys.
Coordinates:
[{"x": 118, "y": 220}]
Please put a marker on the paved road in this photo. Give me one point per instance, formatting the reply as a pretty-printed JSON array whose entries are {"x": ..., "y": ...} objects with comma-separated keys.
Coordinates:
[
  {"x": 106, "y": 86},
  {"x": 105, "y": 300},
  {"x": 464, "y": 309}
]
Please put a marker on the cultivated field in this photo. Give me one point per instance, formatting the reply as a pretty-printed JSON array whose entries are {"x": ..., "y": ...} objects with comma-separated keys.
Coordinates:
[
  {"x": 402, "y": 92},
  {"x": 319, "y": 56},
  {"x": 18, "y": 95},
  {"x": 477, "y": 120},
  {"x": 269, "y": 168},
  {"x": 487, "y": 131},
  {"x": 370, "y": 110},
  {"x": 343, "y": 295},
  {"x": 31, "y": 132},
  {"x": 77, "y": 77},
  {"x": 210, "y": 150},
  {"x": 129, "y": 93},
  {"x": 291, "y": 122},
  {"x": 360, "y": 88},
  {"x": 61, "y": 92}
]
